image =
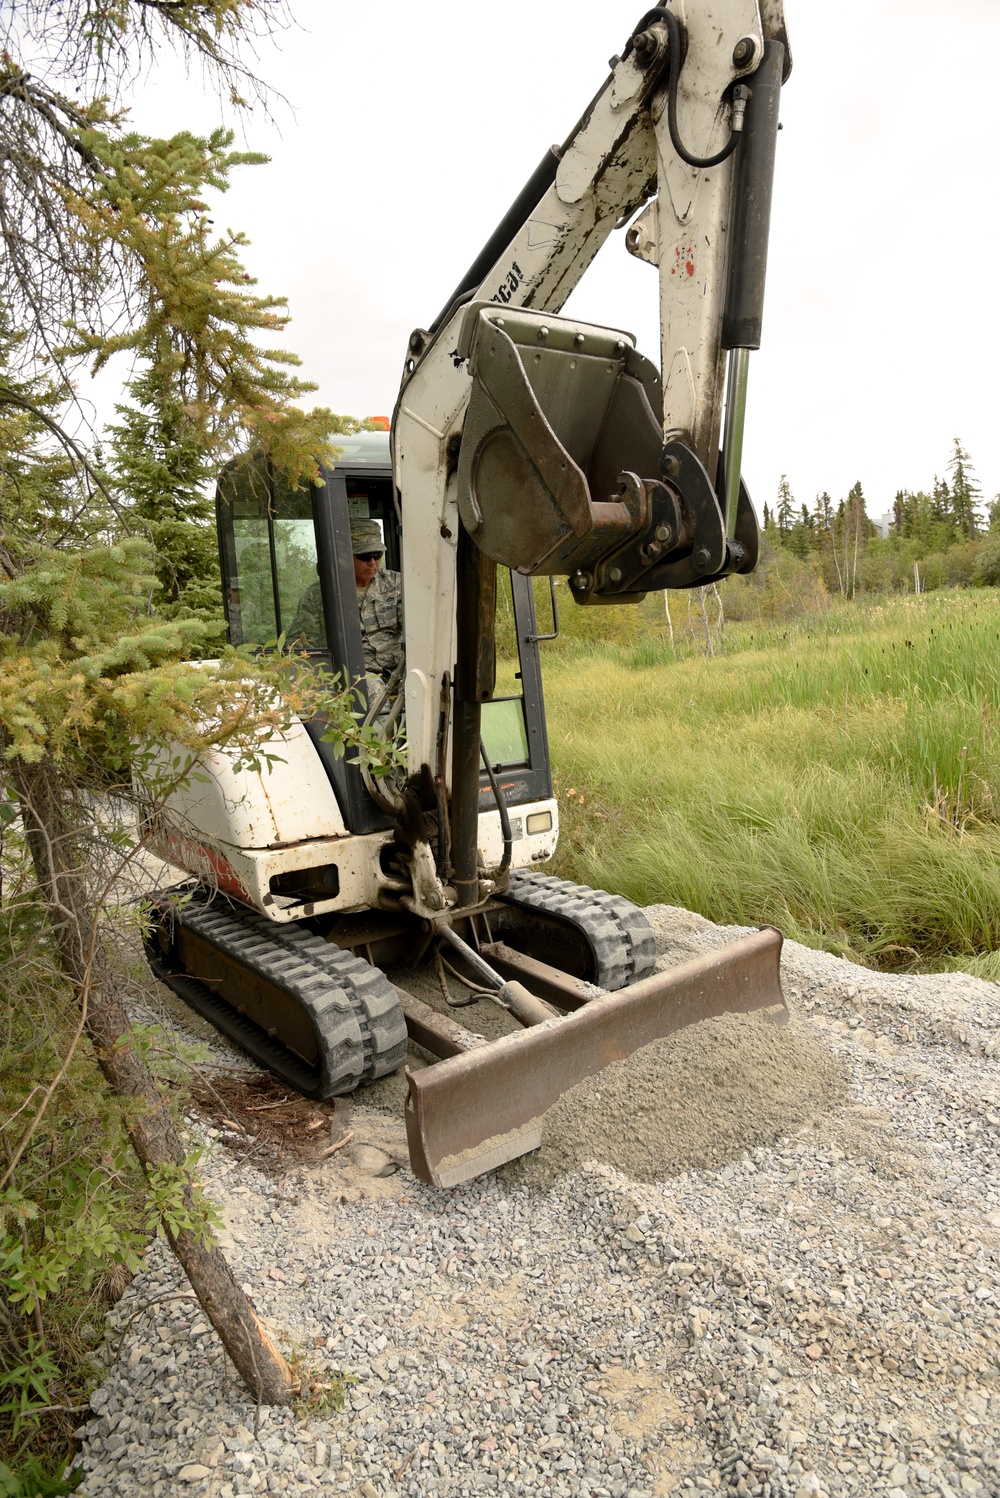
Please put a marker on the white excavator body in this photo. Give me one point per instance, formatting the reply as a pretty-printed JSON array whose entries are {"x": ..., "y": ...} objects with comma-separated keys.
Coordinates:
[{"x": 522, "y": 444}]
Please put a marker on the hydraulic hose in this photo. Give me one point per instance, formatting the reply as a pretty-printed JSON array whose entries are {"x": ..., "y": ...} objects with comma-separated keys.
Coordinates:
[
  {"x": 664, "y": 14},
  {"x": 501, "y": 801}
]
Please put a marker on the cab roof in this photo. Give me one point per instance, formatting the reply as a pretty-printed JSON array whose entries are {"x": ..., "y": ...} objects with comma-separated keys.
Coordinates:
[{"x": 363, "y": 450}]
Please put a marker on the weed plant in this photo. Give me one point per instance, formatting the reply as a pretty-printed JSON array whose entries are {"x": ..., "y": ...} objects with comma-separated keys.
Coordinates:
[
  {"x": 76, "y": 1212},
  {"x": 839, "y": 777},
  {"x": 73, "y": 1214}
]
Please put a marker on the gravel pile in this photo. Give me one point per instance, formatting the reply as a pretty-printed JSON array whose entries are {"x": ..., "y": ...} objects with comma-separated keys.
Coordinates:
[{"x": 817, "y": 1314}]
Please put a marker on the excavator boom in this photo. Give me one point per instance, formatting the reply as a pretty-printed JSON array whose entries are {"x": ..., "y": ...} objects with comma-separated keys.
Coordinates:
[{"x": 684, "y": 130}]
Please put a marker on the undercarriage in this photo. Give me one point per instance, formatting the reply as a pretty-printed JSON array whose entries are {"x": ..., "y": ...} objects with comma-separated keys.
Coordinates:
[{"x": 574, "y": 966}]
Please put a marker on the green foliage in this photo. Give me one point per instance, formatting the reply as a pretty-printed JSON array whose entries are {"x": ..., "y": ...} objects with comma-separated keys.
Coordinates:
[
  {"x": 840, "y": 778},
  {"x": 24, "y": 1389},
  {"x": 74, "y": 176},
  {"x": 39, "y": 485},
  {"x": 107, "y": 587},
  {"x": 93, "y": 682},
  {"x": 784, "y": 513},
  {"x": 965, "y": 492},
  {"x": 134, "y": 269},
  {"x": 785, "y": 584},
  {"x": 73, "y": 1213},
  {"x": 935, "y": 539},
  {"x": 30, "y": 1482},
  {"x": 987, "y": 569},
  {"x": 581, "y": 627},
  {"x": 32, "y": 1273},
  {"x": 162, "y": 470},
  {"x": 91, "y": 675},
  {"x": 322, "y": 1391},
  {"x": 209, "y": 380},
  {"x": 179, "y": 1202}
]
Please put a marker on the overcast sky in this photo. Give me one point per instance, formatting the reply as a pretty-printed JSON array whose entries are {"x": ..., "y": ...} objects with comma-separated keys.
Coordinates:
[{"x": 411, "y": 128}]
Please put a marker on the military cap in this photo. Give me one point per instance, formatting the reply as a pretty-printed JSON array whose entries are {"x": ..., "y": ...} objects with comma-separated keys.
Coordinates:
[{"x": 366, "y": 536}]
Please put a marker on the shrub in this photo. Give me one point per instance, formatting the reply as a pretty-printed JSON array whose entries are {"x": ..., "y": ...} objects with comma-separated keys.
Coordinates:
[
  {"x": 783, "y": 586},
  {"x": 987, "y": 569}
]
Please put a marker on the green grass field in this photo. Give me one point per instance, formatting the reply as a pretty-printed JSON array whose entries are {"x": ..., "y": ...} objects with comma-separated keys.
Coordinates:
[{"x": 839, "y": 778}]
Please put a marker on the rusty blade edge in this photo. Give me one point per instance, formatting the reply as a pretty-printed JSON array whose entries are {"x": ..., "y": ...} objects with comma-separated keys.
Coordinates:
[{"x": 470, "y": 1113}]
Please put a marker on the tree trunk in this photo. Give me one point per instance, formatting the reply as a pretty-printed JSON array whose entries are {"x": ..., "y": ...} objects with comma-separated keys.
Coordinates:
[
  {"x": 721, "y": 618},
  {"x": 61, "y": 870},
  {"x": 709, "y": 650},
  {"x": 857, "y": 538},
  {"x": 836, "y": 560}
]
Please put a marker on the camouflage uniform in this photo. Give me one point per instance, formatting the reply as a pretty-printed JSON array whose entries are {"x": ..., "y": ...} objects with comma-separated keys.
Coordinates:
[
  {"x": 381, "y": 606},
  {"x": 381, "y": 609}
]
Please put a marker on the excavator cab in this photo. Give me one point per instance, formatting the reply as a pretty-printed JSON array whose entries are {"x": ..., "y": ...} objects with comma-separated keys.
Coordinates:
[
  {"x": 277, "y": 542},
  {"x": 287, "y": 565}
]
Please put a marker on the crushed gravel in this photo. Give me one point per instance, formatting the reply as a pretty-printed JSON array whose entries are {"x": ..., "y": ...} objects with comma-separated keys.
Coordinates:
[
  {"x": 693, "y": 1102},
  {"x": 760, "y": 1262}
]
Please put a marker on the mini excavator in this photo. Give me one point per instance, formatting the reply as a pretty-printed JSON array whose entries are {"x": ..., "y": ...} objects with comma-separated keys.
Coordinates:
[{"x": 522, "y": 444}]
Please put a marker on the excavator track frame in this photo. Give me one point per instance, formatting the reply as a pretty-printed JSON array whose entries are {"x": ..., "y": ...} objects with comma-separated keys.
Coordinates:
[{"x": 348, "y": 1028}]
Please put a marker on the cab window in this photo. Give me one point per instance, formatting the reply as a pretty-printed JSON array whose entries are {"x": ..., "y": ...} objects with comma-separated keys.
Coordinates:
[
  {"x": 245, "y": 543},
  {"x": 267, "y": 540},
  {"x": 300, "y": 606},
  {"x": 504, "y": 730}
]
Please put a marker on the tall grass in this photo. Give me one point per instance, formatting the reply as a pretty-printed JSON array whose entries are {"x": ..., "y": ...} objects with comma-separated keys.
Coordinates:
[{"x": 840, "y": 780}]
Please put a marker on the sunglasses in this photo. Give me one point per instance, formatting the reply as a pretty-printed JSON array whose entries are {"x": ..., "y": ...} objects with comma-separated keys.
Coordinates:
[{"x": 368, "y": 556}]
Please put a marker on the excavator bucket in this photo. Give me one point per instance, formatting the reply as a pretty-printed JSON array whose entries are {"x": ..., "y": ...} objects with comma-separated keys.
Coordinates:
[{"x": 483, "y": 1106}]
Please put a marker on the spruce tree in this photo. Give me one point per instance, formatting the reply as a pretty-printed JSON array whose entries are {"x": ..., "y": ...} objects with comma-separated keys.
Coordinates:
[
  {"x": 855, "y": 529},
  {"x": 109, "y": 251},
  {"x": 801, "y": 538},
  {"x": 901, "y": 518},
  {"x": 941, "y": 513},
  {"x": 785, "y": 508},
  {"x": 823, "y": 513},
  {"x": 823, "y": 539},
  {"x": 966, "y": 492}
]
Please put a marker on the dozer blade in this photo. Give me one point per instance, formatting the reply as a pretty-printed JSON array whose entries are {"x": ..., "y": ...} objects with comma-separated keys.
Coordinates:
[{"x": 472, "y": 1112}]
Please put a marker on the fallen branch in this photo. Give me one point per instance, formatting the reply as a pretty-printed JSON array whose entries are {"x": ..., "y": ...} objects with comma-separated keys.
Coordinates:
[{"x": 333, "y": 1148}]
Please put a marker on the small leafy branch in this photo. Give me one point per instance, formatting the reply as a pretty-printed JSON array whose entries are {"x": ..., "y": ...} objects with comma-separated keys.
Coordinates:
[{"x": 179, "y": 1201}]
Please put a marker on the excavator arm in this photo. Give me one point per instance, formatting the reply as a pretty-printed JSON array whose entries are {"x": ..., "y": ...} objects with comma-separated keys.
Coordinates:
[{"x": 523, "y": 439}]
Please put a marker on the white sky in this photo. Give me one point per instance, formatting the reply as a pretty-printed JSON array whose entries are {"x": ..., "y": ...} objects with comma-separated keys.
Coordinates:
[{"x": 413, "y": 127}]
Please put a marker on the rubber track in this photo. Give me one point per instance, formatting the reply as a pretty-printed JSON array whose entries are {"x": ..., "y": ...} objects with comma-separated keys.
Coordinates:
[
  {"x": 618, "y": 932},
  {"x": 359, "y": 1023}
]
